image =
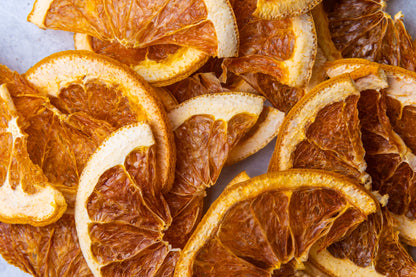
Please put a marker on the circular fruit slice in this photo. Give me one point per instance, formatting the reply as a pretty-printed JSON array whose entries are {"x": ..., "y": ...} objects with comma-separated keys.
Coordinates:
[
  {"x": 173, "y": 37},
  {"x": 117, "y": 221},
  {"x": 26, "y": 195},
  {"x": 256, "y": 226},
  {"x": 322, "y": 131},
  {"x": 206, "y": 129},
  {"x": 363, "y": 29},
  {"x": 90, "y": 96},
  {"x": 387, "y": 120},
  {"x": 275, "y": 9}
]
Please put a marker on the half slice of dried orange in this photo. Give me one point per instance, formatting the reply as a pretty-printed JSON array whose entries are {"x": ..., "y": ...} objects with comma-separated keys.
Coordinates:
[
  {"x": 206, "y": 129},
  {"x": 257, "y": 226},
  {"x": 26, "y": 195},
  {"x": 117, "y": 211},
  {"x": 164, "y": 41}
]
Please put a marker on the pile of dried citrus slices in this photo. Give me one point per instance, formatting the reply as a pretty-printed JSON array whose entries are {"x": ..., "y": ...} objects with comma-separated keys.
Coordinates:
[{"x": 107, "y": 151}]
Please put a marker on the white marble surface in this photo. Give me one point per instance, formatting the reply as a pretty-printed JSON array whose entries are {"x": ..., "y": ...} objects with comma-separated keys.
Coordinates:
[{"x": 22, "y": 44}]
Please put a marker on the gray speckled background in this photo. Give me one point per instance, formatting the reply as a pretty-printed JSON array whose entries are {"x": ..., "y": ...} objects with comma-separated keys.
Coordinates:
[{"x": 22, "y": 44}]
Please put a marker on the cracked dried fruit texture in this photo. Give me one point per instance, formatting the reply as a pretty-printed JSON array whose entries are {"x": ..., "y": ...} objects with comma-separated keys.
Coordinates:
[
  {"x": 275, "y": 56},
  {"x": 255, "y": 227},
  {"x": 264, "y": 130},
  {"x": 206, "y": 130},
  {"x": 387, "y": 123},
  {"x": 363, "y": 29},
  {"x": 372, "y": 249},
  {"x": 322, "y": 132},
  {"x": 120, "y": 214},
  {"x": 68, "y": 121},
  {"x": 275, "y": 9},
  {"x": 26, "y": 195},
  {"x": 164, "y": 41}
]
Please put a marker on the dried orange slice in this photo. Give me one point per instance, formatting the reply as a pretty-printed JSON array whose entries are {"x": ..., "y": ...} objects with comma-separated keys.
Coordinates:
[
  {"x": 26, "y": 195},
  {"x": 256, "y": 226},
  {"x": 276, "y": 9},
  {"x": 264, "y": 131},
  {"x": 363, "y": 29},
  {"x": 81, "y": 99},
  {"x": 387, "y": 120},
  {"x": 206, "y": 129},
  {"x": 170, "y": 38},
  {"x": 275, "y": 56},
  {"x": 84, "y": 86},
  {"x": 117, "y": 218},
  {"x": 372, "y": 249},
  {"x": 322, "y": 131}
]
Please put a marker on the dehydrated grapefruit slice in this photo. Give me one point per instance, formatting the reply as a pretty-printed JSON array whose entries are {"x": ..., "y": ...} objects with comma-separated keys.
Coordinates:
[
  {"x": 363, "y": 29},
  {"x": 206, "y": 129},
  {"x": 256, "y": 226},
  {"x": 276, "y": 9},
  {"x": 90, "y": 96},
  {"x": 26, "y": 195},
  {"x": 171, "y": 38},
  {"x": 116, "y": 214},
  {"x": 322, "y": 131},
  {"x": 388, "y": 129}
]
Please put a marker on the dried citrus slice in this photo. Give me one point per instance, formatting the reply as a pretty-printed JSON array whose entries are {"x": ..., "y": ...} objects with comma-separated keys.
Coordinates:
[
  {"x": 170, "y": 38},
  {"x": 322, "y": 131},
  {"x": 26, "y": 195},
  {"x": 264, "y": 131},
  {"x": 206, "y": 129},
  {"x": 276, "y": 9},
  {"x": 83, "y": 85},
  {"x": 372, "y": 249},
  {"x": 363, "y": 29},
  {"x": 387, "y": 120},
  {"x": 275, "y": 56},
  {"x": 256, "y": 226},
  {"x": 117, "y": 221}
]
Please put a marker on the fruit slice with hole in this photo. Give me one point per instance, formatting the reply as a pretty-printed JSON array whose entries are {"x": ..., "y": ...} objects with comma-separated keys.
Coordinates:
[
  {"x": 322, "y": 130},
  {"x": 276, "y": 9},
  {"x": 26, "y": 195},
  {"x": 256, "y": 226},
  {"x": 116, "y": 213},
  {"x": 363, "y": 29},
  {"x": 206, "y": 129},
  {"x": 388, "y": 120},
  {"x": 172, "y": 38}
]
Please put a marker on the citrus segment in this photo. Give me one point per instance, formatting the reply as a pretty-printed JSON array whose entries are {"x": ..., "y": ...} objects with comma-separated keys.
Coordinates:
[
  {"x": 118, "y": 221},
  {"x": 276, "y": 9},
  {"x": 206, "y": 129},
  {"x": 321, "y": 132},
  {"x": 26, "y": 195},
  {"x": 256, "y": 226},
  {"x": 363, "y": 29}
]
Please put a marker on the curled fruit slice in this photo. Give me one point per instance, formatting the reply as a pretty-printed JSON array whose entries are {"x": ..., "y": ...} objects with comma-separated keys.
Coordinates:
[
  {"x": 26, "y": 196},
  {"x": 164, "y": 41},
  {"x": 118, "y": 212},
  {"x": 257, "y": 226}
]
